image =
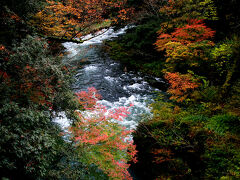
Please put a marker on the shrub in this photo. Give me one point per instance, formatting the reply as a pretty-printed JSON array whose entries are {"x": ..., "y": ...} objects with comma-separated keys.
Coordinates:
[
  {"x": 33, "y": 85},
  {"x": 222, "y": 124}
]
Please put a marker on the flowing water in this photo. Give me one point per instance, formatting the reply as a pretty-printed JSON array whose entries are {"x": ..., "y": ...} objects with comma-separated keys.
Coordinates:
[{"x": 117, "y": 86}]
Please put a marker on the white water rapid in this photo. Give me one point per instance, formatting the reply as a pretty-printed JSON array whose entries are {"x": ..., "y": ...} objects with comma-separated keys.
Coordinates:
[{"x": 116, "y": 86}]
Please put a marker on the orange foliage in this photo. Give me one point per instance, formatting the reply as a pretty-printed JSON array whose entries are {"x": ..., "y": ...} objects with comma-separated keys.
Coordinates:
[
  {"x": 180, "y": 85},
  {"x": 194, "y": 31},
  {"x": 162, "y": 155},
  {"x": 88, "y": 99},
  {"x": 11, "y": 15},
  {"x": 30, "y": 82},
  {"x": 15, "y": 17},
  {"x": 36, "y": 87},
  {"x": 72, "y": 17}
]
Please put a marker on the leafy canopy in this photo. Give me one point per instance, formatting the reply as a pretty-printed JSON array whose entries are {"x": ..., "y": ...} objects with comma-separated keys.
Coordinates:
[{"x": 99, "y": 137}]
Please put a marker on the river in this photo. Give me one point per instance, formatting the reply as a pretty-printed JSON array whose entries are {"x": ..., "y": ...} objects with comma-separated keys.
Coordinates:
[{"x": 117, "y": 85}]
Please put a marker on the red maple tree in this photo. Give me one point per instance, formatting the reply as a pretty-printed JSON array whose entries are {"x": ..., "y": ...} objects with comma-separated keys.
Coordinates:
[
  {"x": 100, "y": 138},
  {"x": 193, "y": 32}
]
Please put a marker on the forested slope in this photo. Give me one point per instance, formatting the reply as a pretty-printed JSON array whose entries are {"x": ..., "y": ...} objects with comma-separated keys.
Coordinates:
[
  {"x": 194, "y": 132},
  {"x": 194, "y": 46},
  {"x": 35, "y": 88}
]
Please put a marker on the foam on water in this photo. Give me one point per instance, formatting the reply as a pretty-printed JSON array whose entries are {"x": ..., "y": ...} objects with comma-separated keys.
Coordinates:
[
  {"x": 110, "y": 79},
  {"x": 135, "y": 86},
  {"x": 102, "y": 35},
  {"x": 120, "y": 88},
  {"x": 90, "y": 68},
  {"x": 62, "y": 120},
  {"x": 140, "y": 108},
  {"x": 159, "y": 80},
  {"x": 73, "y": 49}
]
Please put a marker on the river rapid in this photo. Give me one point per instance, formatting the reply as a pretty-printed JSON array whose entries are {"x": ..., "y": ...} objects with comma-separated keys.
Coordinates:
[{"x": 117, "y": 85}]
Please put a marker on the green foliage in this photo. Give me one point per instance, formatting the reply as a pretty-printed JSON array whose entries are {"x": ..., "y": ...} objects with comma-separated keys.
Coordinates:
[
  {"x": 23, "y": 8},
  {"x": 117, "y": 52},
  {"x": 142, "y": 36},
  {"x": 181, "y": 57},
  {"x": 36, "y": 76},
  {"x": 224, "y": 51},
  {"x": 162, "y": 110},
  {"x": 175, "y": 143},
  {"x": 153, "y": 68},
  {"x": 199, "y": 137},
  {"x": 33, "y": 85},
  {"x": 210, "y": 94},
  {"x": 223, "y": 124},
  {"x": 29, "y": 141},
  {"x": 14, "y": 19},
  {"x": 71, "y": 167},
  {"x": 195, "y": 139},
  {"x": 187, "y": 144},
  {"x": 222, "y": 158},
  {"x": 195, "y": 118},
  {"x": 225, "y": 63},
  {"x": 210, "y": 11},
  {"x": 178, "y": 12},
  {"x": 136, "y": 47},
  {"x": 222, "y": 56}
]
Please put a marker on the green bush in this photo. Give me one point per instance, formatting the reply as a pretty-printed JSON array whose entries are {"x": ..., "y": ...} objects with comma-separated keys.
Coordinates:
[
  {"x": 185, "y": 143},
  {"x": 195, "y": 119},
  {"x": 33, "y": 84},
  {"x": 222, "y": 124},
  {"x": 29, "y": 142},
  {"x": 136, "y": 48}
]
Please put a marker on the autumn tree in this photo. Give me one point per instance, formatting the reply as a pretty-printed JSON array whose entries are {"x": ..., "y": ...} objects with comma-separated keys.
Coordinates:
[
  {"x": 186, "y": 49},
  {"x": 184, "y": 35},
  {"x": 194, "y": 31},
  {"x": 14, "y": 19},
  {"x": 99, "y": 137},
  {"x": 33, "y": 84},
  {"x": 186, "y": 46},
  {"x": 181, "y": 85},
  {"x": 71, "y": 18},
  {"x": 188, "y": 137}
]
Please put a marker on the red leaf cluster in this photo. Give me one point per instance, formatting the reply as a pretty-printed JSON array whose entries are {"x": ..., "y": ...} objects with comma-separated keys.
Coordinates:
[
  {"x": 106, "y": 141},
  {"x": 194, "y": 31}
]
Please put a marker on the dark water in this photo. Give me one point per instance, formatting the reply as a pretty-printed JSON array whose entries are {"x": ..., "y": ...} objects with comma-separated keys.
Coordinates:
[{"x": 117, "y": 85}]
